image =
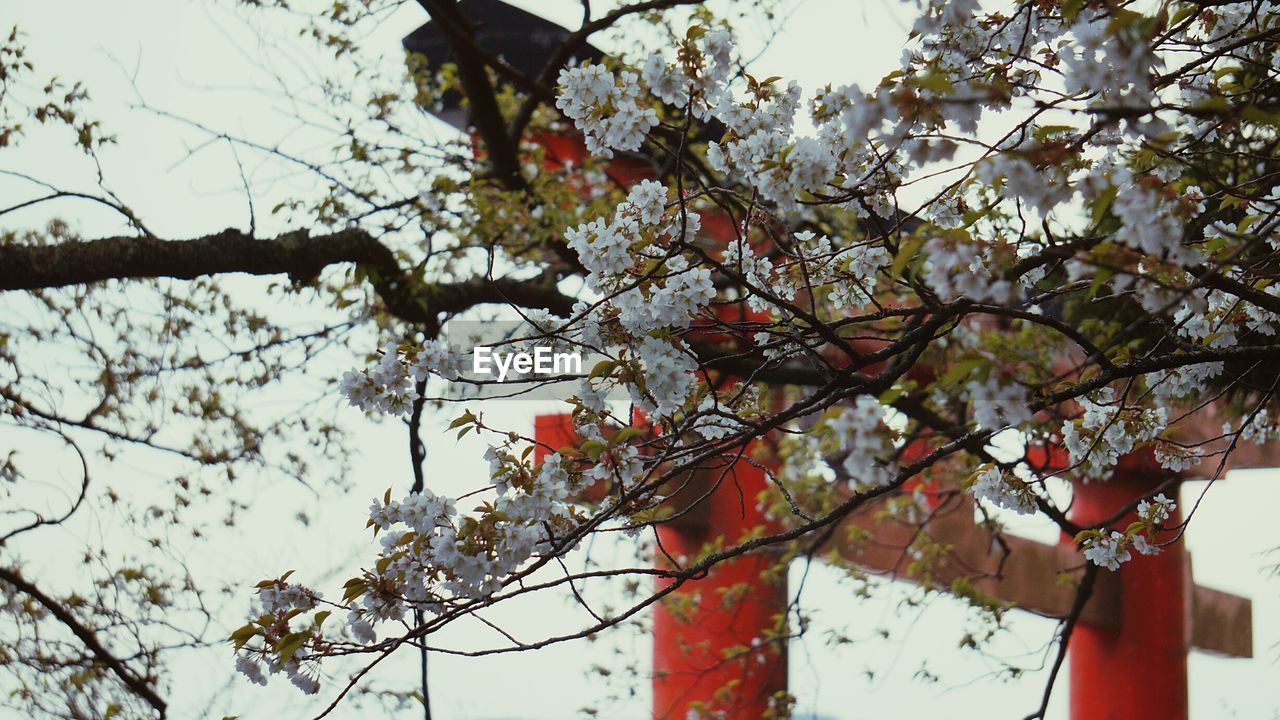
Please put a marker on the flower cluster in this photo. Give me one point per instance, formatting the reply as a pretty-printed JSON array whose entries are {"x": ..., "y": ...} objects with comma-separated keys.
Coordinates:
[
  {"x": 1003, "y": 490},
  {"x": 1177, "y": 458},
  {"x": 432, "y": 554},
  {"x": 720, "y": 414},
  {"x": 955, "y": 271},
  {"x": 668, "y": 376},
  {"x": 1111, "y": 549},
  {"x": 1108, "y": 430},
  {"x": 997, "y": 403},
  {"x": 1108, "y": 550},
  {"x": 863, "y": 435},
  {"x": 856, "y": 269},
  {"x": 1181, "y": 382},
  {"x": 280, "y": 602},
  {"x": 1112, "y": 61},
  {"x": 629, "y": 257},
  {"x": 1156, "y": 510},
  {"x": 390, "y": 386},
  {"x": 1151, "y": 225},
  {"x": 609, "y": 109},
  {"x": 698, "y": 80}
]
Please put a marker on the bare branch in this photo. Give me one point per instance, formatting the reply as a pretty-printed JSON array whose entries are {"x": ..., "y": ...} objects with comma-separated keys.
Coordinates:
[{"x": 138, "y": 685}]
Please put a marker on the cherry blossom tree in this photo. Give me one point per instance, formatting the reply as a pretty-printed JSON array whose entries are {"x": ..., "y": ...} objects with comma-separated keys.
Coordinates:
[{"x": 1093, "y": 267}]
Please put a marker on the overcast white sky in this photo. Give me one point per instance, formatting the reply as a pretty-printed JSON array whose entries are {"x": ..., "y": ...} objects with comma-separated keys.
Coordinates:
[{"x": 198, "y": 60}]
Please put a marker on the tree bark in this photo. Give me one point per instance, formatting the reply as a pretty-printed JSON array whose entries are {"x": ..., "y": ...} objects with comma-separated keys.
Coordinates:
[{"x": 299, "y": 255}]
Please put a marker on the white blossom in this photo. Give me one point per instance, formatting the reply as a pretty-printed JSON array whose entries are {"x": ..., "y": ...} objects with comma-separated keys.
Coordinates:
[
  {"x": 250, "y": 668},
  {"x": 998, "y": 404},
  {"x": 668, "y": 375},
  {"x": 1157, "y": 510},
  {"x": 1143, "y": 546},
  {"x": 609, "y": 109},
  {"x": 860, "y": 431},
  {"x": 1106, "y": 431},
  {"x": 361, "y": 629},
  {"x": 1108, "y": 551},
  {"x": 993, "y": 486}
]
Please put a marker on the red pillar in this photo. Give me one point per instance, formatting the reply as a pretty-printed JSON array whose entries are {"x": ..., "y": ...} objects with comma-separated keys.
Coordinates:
[
  {"x": 701, "y": 628},
  {"x": 703, "y": 632},
  {"x": 1138, "y": 670}
]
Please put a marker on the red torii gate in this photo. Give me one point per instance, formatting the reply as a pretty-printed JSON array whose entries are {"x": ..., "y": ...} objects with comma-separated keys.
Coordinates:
[{"x": 1138, "y": 625}]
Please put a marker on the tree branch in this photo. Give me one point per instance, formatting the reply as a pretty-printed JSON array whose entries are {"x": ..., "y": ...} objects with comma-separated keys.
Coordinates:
[
  {"x": 138, "y": 685},
  {"x": 297, "y": 254},
  {"x": 474, "y": 77},
  {"x": 1083, "y": 593}
]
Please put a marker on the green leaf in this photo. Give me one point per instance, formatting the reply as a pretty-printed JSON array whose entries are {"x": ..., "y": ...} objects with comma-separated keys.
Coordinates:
[
  {"x": 1103, "y": 203},
  {"x": 1243, "y": 226},
  {"x": 289, "y": 645},
  {"x": 937, "y": 82},
  {"x": 1214, "y": 104},
  {"x": 466, "y": 419},
  {"x": 593, "y": 449},
  {"x": 1183, "y": 13},
  {"x": 1253, "y": 113},
  {"x": 957, "y": 372},
  {"x": 1044, "y": 132},
  {"x": 243, "y": 634},
  {"x": 353, "y": 589},
  {"x": 624, "y": 435},
  {"x": 889, "y": 396},
  {"x": 906, "y": 252},
  {"x": 1103, "y": 274},
  {"x": 1072, "y": 8},
  {"x": 603, "y": 368}
]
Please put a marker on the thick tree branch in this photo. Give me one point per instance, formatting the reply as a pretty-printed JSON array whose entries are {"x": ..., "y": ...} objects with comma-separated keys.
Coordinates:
[
  {"x": 139, "y": 686},
  {"x": 474, "y": 75},
  {"x": 297, "y": 254},
  {"x": 1213, "y": 279},
  {"x": 32, "y": 267}
]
